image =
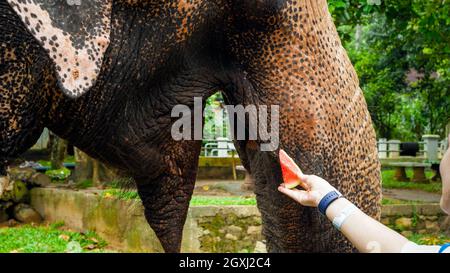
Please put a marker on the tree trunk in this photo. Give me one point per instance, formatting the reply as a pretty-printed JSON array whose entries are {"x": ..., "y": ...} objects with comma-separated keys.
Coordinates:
[
  {"x": 87, "y": 168},
  {"x": 58, "y": 147},
  {"x": 83, "y": 166}
]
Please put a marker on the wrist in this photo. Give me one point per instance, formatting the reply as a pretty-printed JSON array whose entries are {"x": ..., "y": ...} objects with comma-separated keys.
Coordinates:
[
  {"x": 335, "y": 208},
  {"x": 323, "y": 192},
  {"x": 327, "y": 200}
]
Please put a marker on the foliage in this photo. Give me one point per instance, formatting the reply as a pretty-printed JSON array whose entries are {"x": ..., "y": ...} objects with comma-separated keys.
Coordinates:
[
  {"x": 401, "y": 52},
  {"x": 429, "y": 239},
  {"x": 69, "y": 159},
  {"x": 56, "y": 225},
  {"x": 87, "y": 183},
  {"x": 115, "y": 184},
  {"x": 58, "y": 174},
  {"x": 44, "y": 163},
  {"x": 390, "y": 41},
  {"x": 215, "y": 107},
  {"x": 120, "y": 194},
  {"x": 349, "y": 13},
  {"x": 48, "y": 239}
]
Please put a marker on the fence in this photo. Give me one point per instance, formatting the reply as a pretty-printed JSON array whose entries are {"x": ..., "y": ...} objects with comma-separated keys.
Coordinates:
[
  {"x": 220, "y": 147},
  {"x": 431, "y": 148}
]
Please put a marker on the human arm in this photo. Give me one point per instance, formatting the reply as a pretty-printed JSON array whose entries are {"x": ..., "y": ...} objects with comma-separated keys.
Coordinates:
[
  {"x": 365, "y": 233},
  {"x": 445, "y": 175}
]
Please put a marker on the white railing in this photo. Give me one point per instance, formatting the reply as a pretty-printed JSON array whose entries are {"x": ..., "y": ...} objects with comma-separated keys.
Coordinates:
[
  {"x": 391, "y": 148},
  {"x": 220, "y": 147},
  {"x": 431, "y": 148}
]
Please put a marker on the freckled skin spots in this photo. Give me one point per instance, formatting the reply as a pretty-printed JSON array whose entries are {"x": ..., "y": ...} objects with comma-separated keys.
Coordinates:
[
  {"x": 162, "y": 53},
  {"x": 324, "y": 123},
  {"x": 67, "y": 31}
]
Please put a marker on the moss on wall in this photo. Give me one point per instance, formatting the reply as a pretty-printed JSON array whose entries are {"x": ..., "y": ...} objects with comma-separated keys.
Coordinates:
[{"x": 229, "y": 233}]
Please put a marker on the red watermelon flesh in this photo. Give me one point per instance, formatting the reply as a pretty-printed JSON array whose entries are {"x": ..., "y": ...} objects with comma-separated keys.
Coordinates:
[{"x": 290, "y": 170}]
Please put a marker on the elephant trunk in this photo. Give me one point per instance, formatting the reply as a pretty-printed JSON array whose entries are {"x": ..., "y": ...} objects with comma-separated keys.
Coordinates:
[{"x": 301, "y": 66}]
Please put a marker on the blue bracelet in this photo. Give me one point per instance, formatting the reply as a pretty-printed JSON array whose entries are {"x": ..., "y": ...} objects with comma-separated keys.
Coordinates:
[{"x": 327, "y": 200}]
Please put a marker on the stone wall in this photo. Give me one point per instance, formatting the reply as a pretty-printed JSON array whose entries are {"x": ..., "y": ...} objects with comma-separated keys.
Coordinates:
[
  {"x": 122, "y": 222},
  {"x": 228, "y": 228},
  {"x": 14, "y": 194},
  {"x": 207, "y": 228},
  {"x": 422, "y": 219}
]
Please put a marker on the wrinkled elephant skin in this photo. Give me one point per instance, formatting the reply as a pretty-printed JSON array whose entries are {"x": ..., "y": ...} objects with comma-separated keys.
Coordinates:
[{"x": 105, "y": 75}]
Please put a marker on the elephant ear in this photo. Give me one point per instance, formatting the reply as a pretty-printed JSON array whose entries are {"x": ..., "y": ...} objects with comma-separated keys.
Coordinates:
[{"x": 75, "y": 34}]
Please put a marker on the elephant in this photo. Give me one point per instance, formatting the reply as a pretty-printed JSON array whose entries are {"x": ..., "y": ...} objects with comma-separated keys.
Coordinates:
[{"x": 105, "y": 74}]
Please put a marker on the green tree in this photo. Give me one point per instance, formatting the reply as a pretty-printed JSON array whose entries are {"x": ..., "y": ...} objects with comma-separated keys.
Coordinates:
[{"x": 401, "y": 51}]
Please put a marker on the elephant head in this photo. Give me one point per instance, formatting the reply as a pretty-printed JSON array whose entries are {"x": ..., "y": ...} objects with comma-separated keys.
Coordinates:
[{"x": 135, "y": 60}]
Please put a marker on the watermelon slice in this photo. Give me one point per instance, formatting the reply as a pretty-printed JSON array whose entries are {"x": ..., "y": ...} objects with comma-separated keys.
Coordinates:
[{"x": 290, "y": 170}]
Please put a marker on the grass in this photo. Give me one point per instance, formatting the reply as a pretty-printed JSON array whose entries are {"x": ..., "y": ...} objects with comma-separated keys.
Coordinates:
[
  {"x": 195, "y": 201},
  {"x": 58, "y": 175},
  {"x": 429, "y": 239},
  {"x": 392, "y": 201},
  {"x": 390, "y": 183},
  {"x": 48, "y": 239},
  {"x": 120, "y": 194},
  {"x": 222, "y": 200},
  {"x": 47, "y": 163},
  {"x": 69, "y": 159},
  {"x": 84, "y": 184}
]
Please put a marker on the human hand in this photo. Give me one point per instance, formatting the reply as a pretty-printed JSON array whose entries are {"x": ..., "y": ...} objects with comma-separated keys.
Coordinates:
[{"x": 315, "y": 189}]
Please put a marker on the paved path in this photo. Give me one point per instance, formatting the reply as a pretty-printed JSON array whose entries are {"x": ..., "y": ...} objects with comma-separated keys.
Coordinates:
[
  {"x": 229, "y": 187},
  {"x": 412, "y": 195}
]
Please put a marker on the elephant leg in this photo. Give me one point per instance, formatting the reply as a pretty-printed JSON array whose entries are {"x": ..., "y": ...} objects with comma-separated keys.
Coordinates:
[
  {"x": 166, "y": 197},
  {"x": 23, "y": 80},
  {"x": 20, "y": 126}
]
